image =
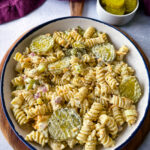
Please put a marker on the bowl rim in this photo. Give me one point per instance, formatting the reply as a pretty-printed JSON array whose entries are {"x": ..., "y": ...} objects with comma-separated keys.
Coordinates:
[
  {"x": 133, "y": 12},
  {"x": 37, "y": 28}
]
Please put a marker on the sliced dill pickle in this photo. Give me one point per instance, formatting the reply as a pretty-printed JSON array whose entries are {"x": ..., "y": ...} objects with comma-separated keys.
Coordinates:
[
  {"x": 130, "y": 88},
  {"x": 105, "y": 51},
  {"x": 42, "y": 44},
  {"x": 64, "y": 124},
  {"x": 59, "y": 66},
  {"x": 103, "y": 2},
  {"x": 130, "y": 5},
  {"x": 115, "y": 4},
  {"x": 118, "y": 11}
]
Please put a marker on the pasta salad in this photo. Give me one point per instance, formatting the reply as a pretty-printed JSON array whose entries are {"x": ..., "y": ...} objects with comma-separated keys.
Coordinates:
[{"x": 74, "y": 87}]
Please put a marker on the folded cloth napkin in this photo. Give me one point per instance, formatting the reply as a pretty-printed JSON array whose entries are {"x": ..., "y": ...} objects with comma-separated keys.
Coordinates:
[{"x": 14, "y": 9}]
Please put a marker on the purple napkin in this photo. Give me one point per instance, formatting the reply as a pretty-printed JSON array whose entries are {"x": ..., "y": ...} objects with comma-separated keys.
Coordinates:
[
  {"x": 147, "y": 6},
  {"x": 14, "y": 9}
]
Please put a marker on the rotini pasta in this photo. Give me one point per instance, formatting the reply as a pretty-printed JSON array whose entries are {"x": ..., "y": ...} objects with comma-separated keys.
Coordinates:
[
  {"x": 104, "y": 138},
  {"x": 121, "y": 102},
  {"x": 17, "y": 101},
  {"x": 37, "y": 110},
  {"x": 94, "y": 111},
  {"x": 91, "y": 141},
  {"x": 89, "y": 32},
  {"x": 38, "y": 137},
  {"x": 20, "y": 116},
  {"x": 118, "y": 116},
  {"x": 76, "y": 36},
  {"x": 112, "y": 82},
  {"x": 17, "y": 81},
  {"x": 85, "y": 131},
  {"x": 122, "y": 52},
  {"x": 110, "y": 123},
  {"x": 95, "y": 41},
  {"x": 28, "y": 96},
  {"x": 60, "y": 40},
  {"x": 130, "y": 115}
]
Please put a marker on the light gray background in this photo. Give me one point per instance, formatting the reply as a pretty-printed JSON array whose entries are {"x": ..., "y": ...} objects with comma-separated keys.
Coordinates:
[{"x": 138, "y": 28}]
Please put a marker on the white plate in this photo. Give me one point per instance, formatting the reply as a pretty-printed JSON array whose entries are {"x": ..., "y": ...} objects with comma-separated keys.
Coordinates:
[{"x": 134, "y": 58}]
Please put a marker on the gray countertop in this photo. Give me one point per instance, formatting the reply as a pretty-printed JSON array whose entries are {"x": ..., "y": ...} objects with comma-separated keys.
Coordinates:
[{"x": 138, "y": 29}]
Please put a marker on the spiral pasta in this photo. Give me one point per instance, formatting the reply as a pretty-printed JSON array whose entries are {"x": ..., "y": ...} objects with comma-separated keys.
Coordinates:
[
  {"x": 112, "y": 82},
  {"x": 130, "y": 115},
  {"x": 17, "y": 81},
  {"x": 91, "y": 141},
  {"x": 122, "y": 68},
  {"x": 17, "y": 101},
  {"x": 67, "y": 37},
  {"x": 110, "y": 123},
  {"x": 118, "y": 116},
  {"x": 76, "y": 36},
  {"x": 38, "y": 137},
  {"x": 88, "y": 58},
  {"x": 100, "y": 75},
  {"x": 94, "y": 111},
  {"x": 20, "y": 116},
  {"x": 121, "y": 102},
  {"x": 37, "y": 110},
  {"x": 89, "y": 32},
  {"x": 94, "y": 41},
  {"x": 60, "y": 40},
  {"x": 28, "y": 96},
  {"x": 86, "y": 129},
  {"x": 122, "y": 52},
  {"x": 104, "y": 138},
  {"x": 66, "y": 91},
  {"x": 105, "y": 89},
  {"x": 19, "y": 57}
]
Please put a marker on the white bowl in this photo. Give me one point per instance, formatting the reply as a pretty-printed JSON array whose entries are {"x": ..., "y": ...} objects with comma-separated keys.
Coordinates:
[
  {"x": 114, "y": 19},
  {"x": 134, "y": 58}
]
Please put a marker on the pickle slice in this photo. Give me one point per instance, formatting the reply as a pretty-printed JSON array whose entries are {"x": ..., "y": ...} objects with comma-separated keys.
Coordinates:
[
  {"x": 130, "y": 88},
  {"x": 64, "y": 124},
  {"x": 115, "y": 4},
  {"x": 42, "y": 44},
  {"x": 59, "y": 66},
  {"x": 130, "y": 5},
  {"x": 104, "y": 51},
  {"x": 118, "y": 11},
  {"x": 103, "y": 2}
]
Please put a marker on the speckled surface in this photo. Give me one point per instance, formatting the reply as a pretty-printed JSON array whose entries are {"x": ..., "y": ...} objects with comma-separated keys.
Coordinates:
[{"x": 138, "y": 29}]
